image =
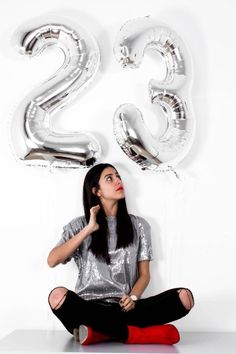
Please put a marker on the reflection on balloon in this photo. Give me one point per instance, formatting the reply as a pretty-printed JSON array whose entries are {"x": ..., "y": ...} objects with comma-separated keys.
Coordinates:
[
  {"x": 171, "y": 93},
  {"x": 33, "y": 140}
]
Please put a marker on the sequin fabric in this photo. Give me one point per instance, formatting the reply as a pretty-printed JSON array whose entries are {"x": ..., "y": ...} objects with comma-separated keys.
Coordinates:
[{"x": 109, "y": 282}]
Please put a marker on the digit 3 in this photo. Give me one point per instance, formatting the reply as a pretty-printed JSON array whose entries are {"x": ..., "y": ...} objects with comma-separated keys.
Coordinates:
[{"x": 172, "y": 94}]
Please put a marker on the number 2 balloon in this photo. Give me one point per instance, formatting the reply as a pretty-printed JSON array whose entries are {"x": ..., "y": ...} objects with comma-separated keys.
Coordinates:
[{"x": 33, "y": 140}]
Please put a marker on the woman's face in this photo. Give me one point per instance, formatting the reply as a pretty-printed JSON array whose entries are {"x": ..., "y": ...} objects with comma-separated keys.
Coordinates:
[{"x": 110, "y": 185}]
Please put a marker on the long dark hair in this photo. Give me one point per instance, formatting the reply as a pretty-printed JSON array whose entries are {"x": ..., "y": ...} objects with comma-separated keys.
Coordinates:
[{"x": 124, "y": 228}]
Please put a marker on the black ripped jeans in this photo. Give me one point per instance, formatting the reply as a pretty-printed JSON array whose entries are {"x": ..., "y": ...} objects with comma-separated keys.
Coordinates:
[{"x": 108, "y": 318}]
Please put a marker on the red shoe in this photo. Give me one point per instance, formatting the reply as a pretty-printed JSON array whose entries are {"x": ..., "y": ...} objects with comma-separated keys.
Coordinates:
[
  {"x": 88, "y": 336},
  {"x": 163, "y": 334}
]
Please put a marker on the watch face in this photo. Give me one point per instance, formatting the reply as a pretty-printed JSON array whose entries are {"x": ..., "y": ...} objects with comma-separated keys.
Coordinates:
[{"x": 134, "y": 297}]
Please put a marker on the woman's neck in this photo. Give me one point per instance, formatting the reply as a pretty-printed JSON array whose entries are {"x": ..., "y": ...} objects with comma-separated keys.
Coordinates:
[{"x": 110, "y": 208}]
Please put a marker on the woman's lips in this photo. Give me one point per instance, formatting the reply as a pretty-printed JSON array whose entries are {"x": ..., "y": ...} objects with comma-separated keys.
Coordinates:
[{"x": 120, "y": 189}]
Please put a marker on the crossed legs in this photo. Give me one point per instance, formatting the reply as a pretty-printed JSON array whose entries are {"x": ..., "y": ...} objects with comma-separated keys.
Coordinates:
[{"x": 58, "y": 296}]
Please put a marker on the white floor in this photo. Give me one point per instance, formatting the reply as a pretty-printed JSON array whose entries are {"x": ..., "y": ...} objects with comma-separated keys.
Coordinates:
[{"x": 38, "y": 341}]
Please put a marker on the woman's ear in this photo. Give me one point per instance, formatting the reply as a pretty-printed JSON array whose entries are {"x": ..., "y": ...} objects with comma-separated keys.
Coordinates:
[{"x": 95, "y": 191}]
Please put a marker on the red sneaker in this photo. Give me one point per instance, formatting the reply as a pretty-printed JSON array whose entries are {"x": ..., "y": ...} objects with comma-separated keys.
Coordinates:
[
  {"x": 88, "y": 336},
  {"x": 162, "y": 334}
]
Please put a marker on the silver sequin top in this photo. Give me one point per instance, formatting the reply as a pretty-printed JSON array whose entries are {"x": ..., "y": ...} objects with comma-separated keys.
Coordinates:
[{"x": 98, "y": 280}]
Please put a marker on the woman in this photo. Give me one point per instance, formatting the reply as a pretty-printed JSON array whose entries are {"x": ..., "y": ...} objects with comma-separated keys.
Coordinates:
[{"x": 112, "y": 250}]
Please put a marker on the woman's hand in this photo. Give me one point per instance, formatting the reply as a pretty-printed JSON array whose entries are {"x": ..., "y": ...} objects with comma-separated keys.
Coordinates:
[
  {"x": 60, "y": 253},
  {"x": 93, "y": 225},
  {"x": 126, "y": 303}
]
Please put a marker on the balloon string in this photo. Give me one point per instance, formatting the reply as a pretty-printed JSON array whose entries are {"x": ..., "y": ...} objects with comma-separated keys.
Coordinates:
[
  {"x": 169, "y": 169},
  {"x": 175, "y": 172}
]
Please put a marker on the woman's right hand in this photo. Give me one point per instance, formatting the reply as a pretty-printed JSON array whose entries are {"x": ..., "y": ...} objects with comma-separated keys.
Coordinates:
[
  {"x": 60, "y": 253},
  {"x": 93, "y": 225}
]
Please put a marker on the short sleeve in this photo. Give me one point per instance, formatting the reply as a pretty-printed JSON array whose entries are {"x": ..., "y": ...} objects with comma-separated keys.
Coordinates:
[
  {"x": 69, "y": 231},
  {"x": 145, "y": 245}
]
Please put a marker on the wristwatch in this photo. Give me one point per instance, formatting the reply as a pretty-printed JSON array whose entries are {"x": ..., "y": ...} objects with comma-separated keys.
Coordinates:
[{"x": 134, "y": 297}]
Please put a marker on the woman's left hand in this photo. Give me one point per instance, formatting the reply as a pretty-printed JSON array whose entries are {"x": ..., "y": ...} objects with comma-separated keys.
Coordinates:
[{"x": 126, "y": 303}]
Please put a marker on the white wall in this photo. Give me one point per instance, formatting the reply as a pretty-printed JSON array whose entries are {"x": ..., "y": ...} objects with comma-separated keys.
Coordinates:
[{"x": 192, "y": 219}]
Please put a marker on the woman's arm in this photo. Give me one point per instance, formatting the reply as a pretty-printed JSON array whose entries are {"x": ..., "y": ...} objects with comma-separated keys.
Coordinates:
[
  {"x": 143, "y": 279},
  {"x": 60, "y": 253},
  {"x": 140, "y": 285}
]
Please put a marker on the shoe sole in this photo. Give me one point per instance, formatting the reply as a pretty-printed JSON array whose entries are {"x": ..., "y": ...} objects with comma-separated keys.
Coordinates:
[{"x": 83, "y": 334}]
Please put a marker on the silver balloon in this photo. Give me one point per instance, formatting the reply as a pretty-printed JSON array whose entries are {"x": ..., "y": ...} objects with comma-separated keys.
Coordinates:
[
  {"x": 171, "y": 93},
  {"x": 33, "y": 140}
]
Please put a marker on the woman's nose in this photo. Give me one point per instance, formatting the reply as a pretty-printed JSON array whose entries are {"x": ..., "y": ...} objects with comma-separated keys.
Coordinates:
[{"x": 118, "y": 181}]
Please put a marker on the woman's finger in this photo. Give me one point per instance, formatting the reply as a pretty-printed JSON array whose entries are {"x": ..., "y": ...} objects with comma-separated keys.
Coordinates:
[
  {"x": 129, "y": 306},
  {"x": 122, "y": 300},
  {"x": 127, "y": 302},
  {"x": 95, "y": 209}
]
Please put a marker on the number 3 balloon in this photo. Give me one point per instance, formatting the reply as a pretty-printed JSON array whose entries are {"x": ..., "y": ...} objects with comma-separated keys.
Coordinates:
[
  {"x": 171, "y": 93},
  {"x": 33, "y": 139}
]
